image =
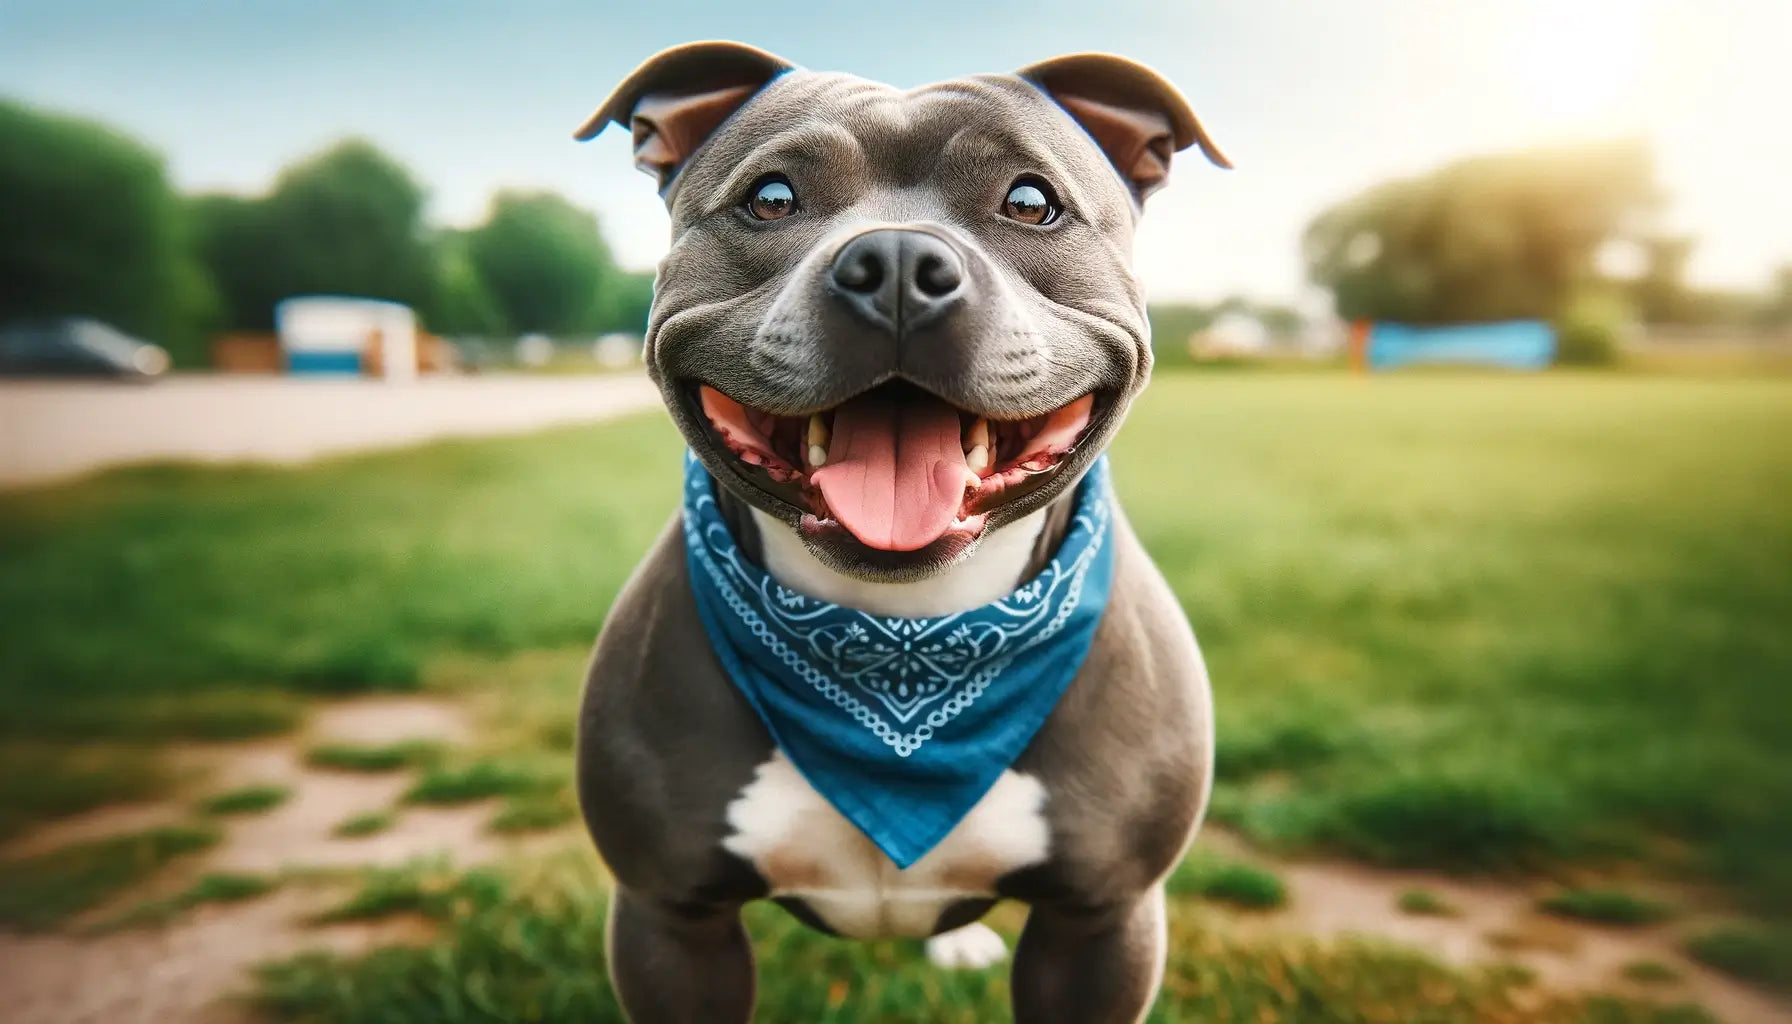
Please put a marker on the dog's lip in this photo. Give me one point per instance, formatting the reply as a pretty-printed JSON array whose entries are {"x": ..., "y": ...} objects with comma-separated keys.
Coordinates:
[{"x": 785, "y": 484}]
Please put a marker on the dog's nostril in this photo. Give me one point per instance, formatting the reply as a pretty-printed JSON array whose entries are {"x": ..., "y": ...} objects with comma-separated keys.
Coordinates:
[
  {"x": 936, "y": 276},
  {"x": 862, "y": 272}
]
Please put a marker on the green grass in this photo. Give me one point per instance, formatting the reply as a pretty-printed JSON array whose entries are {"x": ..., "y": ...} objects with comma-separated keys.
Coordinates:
[
  {"x": 480, "y": 780},
  {"x": 346, "y": 576},
  {"x": 427, "y": 887},
  {"x": 203, "y": 713},
  {"x": 1606, "y": 906},
  {"x": 1226, "y": 881},
  {"x": 526, "y": 944},
  {"x": 389, "y": 757},
  {"x": 247, "y": 800},
  {"x": 371, "y": 823},
  {"x": 42, "y": 891},
  {"x": 1761, "y": 955},
  {"x": 1487, "y": 622},
  {"x": 1650, "y": 972},
  {"x": 1453, "y": 621},
  {"x": 1423, "y": 903},
  {"x": 533, "y": 814},
  {"x": 43, "y": 780},
  {"x": 223, "y": 887}
]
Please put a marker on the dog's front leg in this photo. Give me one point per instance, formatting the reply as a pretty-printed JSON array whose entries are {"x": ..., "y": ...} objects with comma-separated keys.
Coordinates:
[
  {"x": 679, "y": 965},
  {"x": 1090, "y": 965}
]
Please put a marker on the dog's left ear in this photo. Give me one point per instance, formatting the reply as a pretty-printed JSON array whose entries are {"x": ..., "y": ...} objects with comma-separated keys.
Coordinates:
[
  {"x": 1135, "y": 115},
  {"x": 674, "y": 101}
]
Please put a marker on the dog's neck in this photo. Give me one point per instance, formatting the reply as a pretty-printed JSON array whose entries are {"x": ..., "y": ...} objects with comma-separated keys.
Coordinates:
[{"x": 1002, "y": 561}]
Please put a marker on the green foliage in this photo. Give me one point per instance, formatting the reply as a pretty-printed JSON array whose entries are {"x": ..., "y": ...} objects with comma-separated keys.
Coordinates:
[
  {"x": 93, "y": 229},
  {"x": 1423, "y": 903},
  {"x": 220, "y": 887},
  {"x": 247, "y": 800},
  {"x": 1590, "y": 329},
  {"x": 461, "y": 304},
  {"x": 1606, "y": 906},
  {"x": 348, "y": 221},
  {"x": 1761, "y": 955},
  {"x": 544, "y": 263},
  {"x": 478, "y": 781},
  {"x": 371, "y": 823},
  {"x": 1227, "y": 881},
  {"x": 1487, "y": 238},
  {"x": 388, "y": 757},
  {"x": 528, "y": 945},
  {"x": 41, "y": 891}
]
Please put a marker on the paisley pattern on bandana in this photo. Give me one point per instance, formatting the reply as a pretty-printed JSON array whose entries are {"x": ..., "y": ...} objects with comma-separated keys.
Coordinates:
[{"x": 901, "y": 723}]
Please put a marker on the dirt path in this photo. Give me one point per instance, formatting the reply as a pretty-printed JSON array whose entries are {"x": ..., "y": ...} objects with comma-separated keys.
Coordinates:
[
  {"x": 179, "y": 972},
  {"x": 187, "y": 970},
  {"x": 51, "y": 430},
  {"x": 1491, "y": 922}
]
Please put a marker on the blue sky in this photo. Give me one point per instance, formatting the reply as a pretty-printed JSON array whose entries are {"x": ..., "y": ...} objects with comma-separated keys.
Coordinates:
[{"x": 1312, "y": 98}]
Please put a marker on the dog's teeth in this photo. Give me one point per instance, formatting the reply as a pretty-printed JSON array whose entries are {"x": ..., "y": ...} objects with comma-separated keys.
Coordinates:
[
  {"x": 978, "y": 437},
  {"x": 977, "y": 458},
  {"x": 817, "y": 436}
]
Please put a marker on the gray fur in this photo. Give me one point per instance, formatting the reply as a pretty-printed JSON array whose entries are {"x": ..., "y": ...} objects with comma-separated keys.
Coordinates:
[{"x": 665, "y": 741}]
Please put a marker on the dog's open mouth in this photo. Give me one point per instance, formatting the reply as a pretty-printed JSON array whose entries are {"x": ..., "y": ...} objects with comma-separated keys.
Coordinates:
[{"x": 896, "y": 467}]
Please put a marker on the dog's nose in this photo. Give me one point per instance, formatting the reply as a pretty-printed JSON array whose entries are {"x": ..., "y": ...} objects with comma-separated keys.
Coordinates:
[{"x": 898, "y": 279}]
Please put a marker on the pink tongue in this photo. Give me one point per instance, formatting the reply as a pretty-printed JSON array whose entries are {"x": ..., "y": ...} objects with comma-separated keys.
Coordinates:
[{"x": 895, "y": 475}]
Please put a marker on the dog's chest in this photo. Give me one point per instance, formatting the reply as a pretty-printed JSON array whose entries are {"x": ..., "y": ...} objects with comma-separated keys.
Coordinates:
[{"x": 806, "y": 849}]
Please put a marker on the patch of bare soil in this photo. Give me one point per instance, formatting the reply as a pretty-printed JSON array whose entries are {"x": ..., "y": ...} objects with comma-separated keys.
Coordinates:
[
  {"x": 180, "y": 972},
  {"x": 177, "y": 973},
  {"x": 1492, "y": 922}
]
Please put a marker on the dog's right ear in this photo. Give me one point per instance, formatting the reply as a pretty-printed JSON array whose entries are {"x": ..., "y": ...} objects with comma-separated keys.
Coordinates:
[{"x": 674, "y": 101}]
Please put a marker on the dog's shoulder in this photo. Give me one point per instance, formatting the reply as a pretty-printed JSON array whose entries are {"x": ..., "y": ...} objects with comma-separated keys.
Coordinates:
[
  {"x": 1128, "y": 753},
  {"x": 664, "y": 740}
]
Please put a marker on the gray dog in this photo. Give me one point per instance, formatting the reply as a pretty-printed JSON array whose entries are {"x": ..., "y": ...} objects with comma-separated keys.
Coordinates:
[{"x": 897, "y": 330}]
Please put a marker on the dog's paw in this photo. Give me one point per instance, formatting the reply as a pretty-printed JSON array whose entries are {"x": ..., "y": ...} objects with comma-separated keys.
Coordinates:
[{"x": 972, "y": 947}]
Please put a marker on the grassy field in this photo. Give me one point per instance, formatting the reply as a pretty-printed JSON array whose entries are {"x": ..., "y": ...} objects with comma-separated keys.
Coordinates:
[{"x": 1481, "y": 623}]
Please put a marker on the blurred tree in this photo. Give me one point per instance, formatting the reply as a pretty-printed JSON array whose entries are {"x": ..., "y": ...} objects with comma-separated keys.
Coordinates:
[
  {"x": 1483, "y": 239},
  {"x": 461, "y": 305},
  {"x": 1590, "y": 327},
  {"x": 92, "y": 228},
  {"x": 1660, "y": 294},
  {"x": 624, "y": 301},
  {"x": 348, "y": 221},
  {"x": 1777, "y": 312},
  {"x": 545, "y": 263}
]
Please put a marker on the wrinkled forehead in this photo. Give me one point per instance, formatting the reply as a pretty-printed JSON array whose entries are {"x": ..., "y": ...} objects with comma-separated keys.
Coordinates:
[{"x": 837, "y": 123}]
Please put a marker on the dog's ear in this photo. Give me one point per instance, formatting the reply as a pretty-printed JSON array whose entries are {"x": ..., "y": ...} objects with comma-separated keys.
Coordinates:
[
  {"x": 675, "y": 100},
  {"x": 1135, "y": 115}
]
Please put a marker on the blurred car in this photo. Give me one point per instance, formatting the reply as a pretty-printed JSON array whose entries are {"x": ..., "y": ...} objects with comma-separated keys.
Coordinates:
[{"x": 77, "y": 347}]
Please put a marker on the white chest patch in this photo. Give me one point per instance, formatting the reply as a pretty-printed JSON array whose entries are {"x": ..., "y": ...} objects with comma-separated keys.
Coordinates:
[{"x": 803, "y": 847}]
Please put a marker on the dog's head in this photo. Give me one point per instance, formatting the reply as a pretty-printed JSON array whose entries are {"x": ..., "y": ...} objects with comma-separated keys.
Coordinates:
[{"x": 898, "y": 320}]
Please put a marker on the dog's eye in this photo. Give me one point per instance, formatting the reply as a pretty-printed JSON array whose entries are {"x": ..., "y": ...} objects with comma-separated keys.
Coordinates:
[
  {"x": 1030, "y": 201},
  {"x": 772, "y": 198}
]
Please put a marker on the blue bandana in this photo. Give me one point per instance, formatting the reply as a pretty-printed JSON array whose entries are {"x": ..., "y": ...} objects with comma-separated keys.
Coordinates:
[{"x": 901, "y": 724}]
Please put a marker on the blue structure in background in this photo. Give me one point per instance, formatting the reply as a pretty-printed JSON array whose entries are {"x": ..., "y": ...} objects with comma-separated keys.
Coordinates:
[{"x": 1515, "y": 344}]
